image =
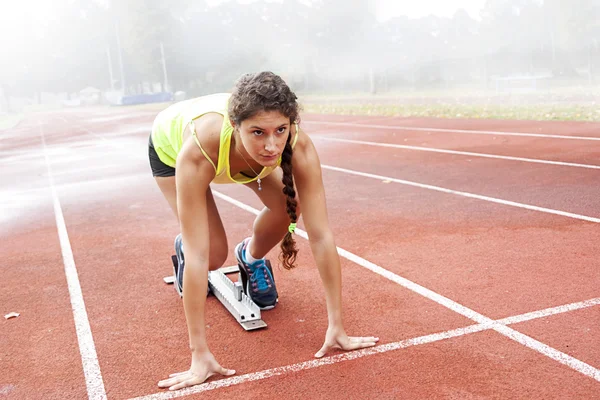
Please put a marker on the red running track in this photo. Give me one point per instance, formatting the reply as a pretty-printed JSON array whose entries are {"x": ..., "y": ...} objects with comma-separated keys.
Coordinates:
[{"x": 443, "y": 266}]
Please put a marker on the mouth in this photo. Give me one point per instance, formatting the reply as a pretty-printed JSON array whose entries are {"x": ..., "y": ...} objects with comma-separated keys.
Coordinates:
[{"x": 270, "y": 158}]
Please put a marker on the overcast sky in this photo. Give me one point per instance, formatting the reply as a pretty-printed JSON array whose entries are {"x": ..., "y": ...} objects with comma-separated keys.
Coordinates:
[
  {"x": 419, "y": 8},
  {"x": 386, "y": 9}
]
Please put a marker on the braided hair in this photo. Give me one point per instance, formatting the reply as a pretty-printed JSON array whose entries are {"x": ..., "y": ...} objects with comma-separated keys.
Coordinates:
[{"x": 265, "y": 91}]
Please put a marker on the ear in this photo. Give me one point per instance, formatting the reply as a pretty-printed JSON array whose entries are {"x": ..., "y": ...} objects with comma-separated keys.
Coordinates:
[{"x": 232, "y": 123}]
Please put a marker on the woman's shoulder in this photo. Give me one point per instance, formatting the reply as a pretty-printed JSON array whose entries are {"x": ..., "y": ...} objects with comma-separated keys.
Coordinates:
[
  {"x": 208, "y": 127},
  {"x": 303, "y": 146},
  {"x": 299, "y": 137},
  {"x": 208, "y": 132}
]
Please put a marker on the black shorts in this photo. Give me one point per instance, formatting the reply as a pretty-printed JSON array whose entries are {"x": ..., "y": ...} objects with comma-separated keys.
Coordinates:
[{"x": 158, "y": 167}]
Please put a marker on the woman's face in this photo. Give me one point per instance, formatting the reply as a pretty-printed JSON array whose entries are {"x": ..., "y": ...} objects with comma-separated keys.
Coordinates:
[{"x": 264, "y": 136}]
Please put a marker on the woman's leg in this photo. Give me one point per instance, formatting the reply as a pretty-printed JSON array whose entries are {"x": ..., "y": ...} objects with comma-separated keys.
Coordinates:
[
  {"x": 271, "y": 225},
  {"x": 218, "y": 239}
]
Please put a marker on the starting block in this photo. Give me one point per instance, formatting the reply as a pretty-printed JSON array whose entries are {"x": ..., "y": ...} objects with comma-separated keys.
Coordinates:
[{"x": 232, "y": 296}]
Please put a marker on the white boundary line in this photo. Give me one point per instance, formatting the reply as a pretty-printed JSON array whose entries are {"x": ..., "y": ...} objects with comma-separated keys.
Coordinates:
[
  {"x": 484, "y": 323},
  {"x": 463, "y": 153},
  {"x": 465, "y": 194},
  {"x": 90, "y": 169},
  {"x": 475, "y": 132},
  {"x": 278, "y": 371},
  {"x": 431, "y": 187},
  {"x": 452, "y": 305},
  {"x": 87, "y": 349},
  {"x": 269, "y": 373},
  {"x": 550, "y": 311}
]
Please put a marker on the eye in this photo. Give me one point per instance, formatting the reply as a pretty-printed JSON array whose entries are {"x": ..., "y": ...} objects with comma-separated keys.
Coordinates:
[
  {"x": 257, "y": 133},
  {"x": 282, "y": 129}
]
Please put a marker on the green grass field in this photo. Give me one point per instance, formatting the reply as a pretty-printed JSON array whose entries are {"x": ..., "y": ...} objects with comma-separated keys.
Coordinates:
[
  {"x": 388, "y": 107},
  {"x": 541, "y": 112}
]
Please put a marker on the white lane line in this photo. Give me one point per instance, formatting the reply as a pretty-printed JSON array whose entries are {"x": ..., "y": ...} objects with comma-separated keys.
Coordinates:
[
  {"x": 474, "y": 132},
  {"x": 527, "y": 341},
  {"x": 265, "y": 374},
  {"x": 463, "y": 153},
  {"x": 90, "y": 170},
  {"x": 133, "y": 130},
  {"x": 87, "y": 349},
  {"x": 485, "y": 323},
  {"x": 12, "y": 153},
  {"x": 550, "y": 311},
  {"x": 303, "y": 366},
  {"x": 465, "y": 194},
  {"x": 536, "y": 345},
  {"x": 7, "y": 196}
]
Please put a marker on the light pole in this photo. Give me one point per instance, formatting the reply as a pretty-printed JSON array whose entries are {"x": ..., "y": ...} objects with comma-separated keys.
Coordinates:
[
  {"x": 164, "y": 65},
  {"x": 120, "y": 55}
]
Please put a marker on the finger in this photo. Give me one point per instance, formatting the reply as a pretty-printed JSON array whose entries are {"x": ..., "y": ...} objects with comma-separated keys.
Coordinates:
[
  {"x": 326, "y": 347},
  {"x": 189, "y": 382},
  {"x": 323, "y": 351},
  {"x": 364, "y": 339},
  {"x": 367, "y": 344},
  {"x": 226, "y": 372},
  {"x": 166, "y": 382},
  {"x": 222, "y": 371},
  {"x": 359, "y": 345},
  {"x": 173, "y": 381},
  {"x": 177, "y": 379}
]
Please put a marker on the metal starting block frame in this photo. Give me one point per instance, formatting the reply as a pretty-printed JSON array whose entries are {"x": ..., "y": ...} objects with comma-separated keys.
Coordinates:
[{"x": 232, "y": 296}]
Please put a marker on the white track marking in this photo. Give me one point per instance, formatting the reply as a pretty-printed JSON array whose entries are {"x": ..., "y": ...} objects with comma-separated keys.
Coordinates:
[
  {"x": 130, "y": 130},
  {"x": 533, "y": 344},
  {"x": 463, "y": 153},
  {"x": 474, "y": 132},
  {"x": 484, "y": 323},
  {"x": 269, "y": 373},
  {"x": 436, "y": 337},
  {"x": 87, "y": 349},
  {"x": 465, "y": 194},
  {"x": 90, "y": 170},
  {"x": 550, "y": 311},
  {"x": 431, "y": 187}
]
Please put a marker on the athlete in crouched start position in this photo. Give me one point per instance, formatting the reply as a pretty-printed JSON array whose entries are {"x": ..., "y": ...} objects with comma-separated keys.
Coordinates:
[{"x": 249, "y": 137}]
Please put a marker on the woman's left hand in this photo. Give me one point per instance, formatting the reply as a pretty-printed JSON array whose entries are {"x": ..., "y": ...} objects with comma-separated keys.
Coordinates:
[{"x": 336, "y": 338}]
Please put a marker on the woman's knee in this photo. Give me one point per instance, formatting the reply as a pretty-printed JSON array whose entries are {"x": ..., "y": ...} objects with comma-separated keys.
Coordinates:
[{"x": 218, "y": 256}]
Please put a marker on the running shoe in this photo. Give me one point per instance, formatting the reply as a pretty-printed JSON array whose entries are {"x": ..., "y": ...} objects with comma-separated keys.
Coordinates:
[
  {"x": 257, "y": 278},
  {"x": 178, "y": 265}
]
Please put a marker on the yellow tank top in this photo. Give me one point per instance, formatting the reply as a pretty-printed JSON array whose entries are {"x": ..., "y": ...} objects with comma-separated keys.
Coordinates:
[{"x": 168, "y": 127}]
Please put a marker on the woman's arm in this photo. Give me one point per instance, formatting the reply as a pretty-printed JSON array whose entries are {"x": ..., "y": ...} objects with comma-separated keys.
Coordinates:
[
  {"x": 311, "y": 193},
  {"x": 194, "y": 174},
  {"x": 193, "y": 178},
  {"x": 306, "y": 167}
]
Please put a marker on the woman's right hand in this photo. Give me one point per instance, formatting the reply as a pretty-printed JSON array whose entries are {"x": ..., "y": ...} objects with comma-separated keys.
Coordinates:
[{"x": 204, "y": 365}]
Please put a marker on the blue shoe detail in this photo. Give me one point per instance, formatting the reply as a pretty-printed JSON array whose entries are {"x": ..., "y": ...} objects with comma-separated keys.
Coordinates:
[
  {"x": 257, "y": 278},
  {"x": 178, "y": 267}
]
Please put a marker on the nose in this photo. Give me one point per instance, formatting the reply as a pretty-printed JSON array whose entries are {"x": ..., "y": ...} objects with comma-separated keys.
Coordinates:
[{"x": 270, "y": 145}]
